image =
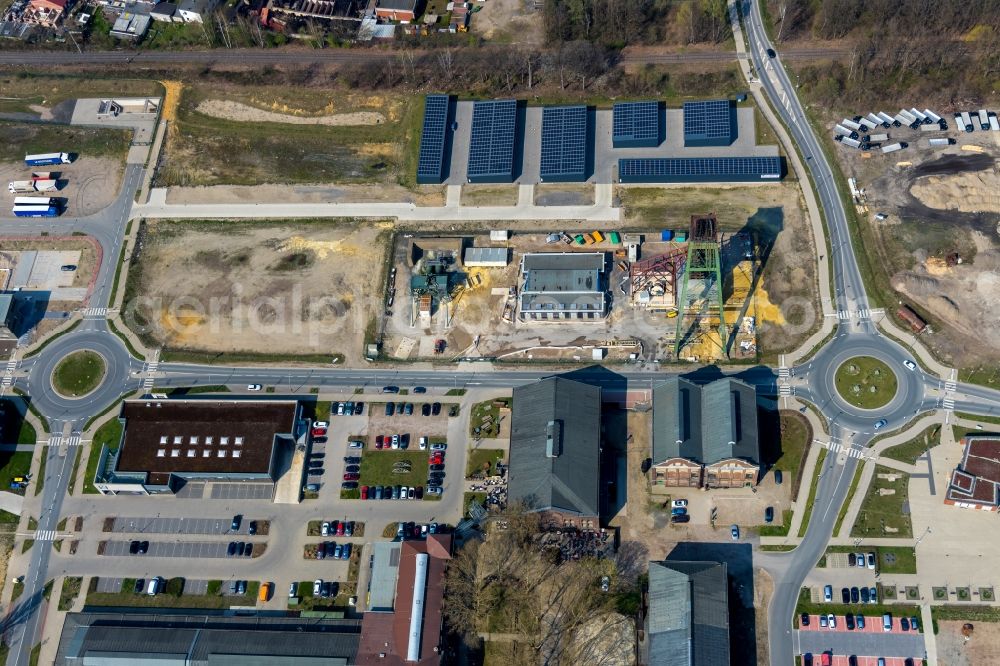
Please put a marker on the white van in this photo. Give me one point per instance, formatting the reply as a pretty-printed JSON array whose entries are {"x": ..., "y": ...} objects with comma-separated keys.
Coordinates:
[
  {"x": 887, "y": 622},
  {"x": 154, "y": 586}
]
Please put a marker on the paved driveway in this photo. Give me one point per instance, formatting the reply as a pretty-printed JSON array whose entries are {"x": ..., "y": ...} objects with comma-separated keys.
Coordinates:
[
  {"x": 871, "y": 640},
  {"x": 186, "y": 549},
  {"x": 155, "y": 525}
]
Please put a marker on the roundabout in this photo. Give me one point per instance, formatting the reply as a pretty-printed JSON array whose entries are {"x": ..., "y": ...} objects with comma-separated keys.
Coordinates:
[
  {"x": 79, "y": 373},
  {"x": 866, "y": 382}
]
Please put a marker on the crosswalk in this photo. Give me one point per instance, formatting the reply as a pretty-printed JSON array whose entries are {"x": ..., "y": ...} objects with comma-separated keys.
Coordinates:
[
  {"x": 8, "y": 375},
  {"x": 97, "y": 313},
  {"x": 837, "y": 448},
  {"x": 948, "y": 403},
  {"x": 45, "y": 535},
  {"x": 150, "y": 370},
  {"x": 863, "y": 313},
  {"x": 59, "y": 440},
  {"x": 784, "y": 389},
  {"x": 784, "y": 373},
  {"x": 950, "y": 386}
]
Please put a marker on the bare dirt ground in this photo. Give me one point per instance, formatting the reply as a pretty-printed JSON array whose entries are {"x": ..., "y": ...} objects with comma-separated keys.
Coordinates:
[
  {"x": 424, "y": 195},
  {"x": 763, "y": 591},
  {"x": 88, "y": 185},
  {"x": 982, "y": 648},
  {"x": 942, "y": 206},
  {"x": 509, "y": 20},
  {"x": 273, "y": 289},
  {"x": 229, "y": 110}
]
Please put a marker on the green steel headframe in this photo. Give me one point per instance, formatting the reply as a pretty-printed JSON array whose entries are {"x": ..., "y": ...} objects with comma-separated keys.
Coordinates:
[{"x": 704, "y": 263}]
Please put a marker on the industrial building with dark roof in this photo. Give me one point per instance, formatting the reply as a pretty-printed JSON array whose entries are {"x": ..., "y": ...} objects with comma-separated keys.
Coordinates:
[
  {"x": 688, "y": 619},
  {"x": 167, "y": 442},
  {"x": 410, "y": 631},
  {"x": 555, "y": 448},
  {"x": 705, "y": 434},
  {"x": 193, "y": 639},
  {"x": 975, "y": 483},
  {"x": 560, "y": 286}
]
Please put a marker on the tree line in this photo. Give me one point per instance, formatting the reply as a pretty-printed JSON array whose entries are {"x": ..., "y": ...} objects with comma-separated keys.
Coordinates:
[{"x": 618, "y": 23}]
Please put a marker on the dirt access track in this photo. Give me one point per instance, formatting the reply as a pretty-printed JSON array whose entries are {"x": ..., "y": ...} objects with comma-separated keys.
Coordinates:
[{"x": 257, "y": 291}]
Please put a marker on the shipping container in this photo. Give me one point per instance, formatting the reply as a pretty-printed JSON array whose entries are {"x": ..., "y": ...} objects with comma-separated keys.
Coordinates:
[
  {"x": 892, "y": 147},
  {"x": 666, "y": 235},
  {"x": 598, "y": 238},
  {"x": 984, "y": 120},
  {"x": 935, "y": 118},
  {"x": 35, "y": 211},
  {"x": 21, "y": 186},
  {"x": 853, "y": 143},
  {"x": 681, "y": 237},
  {"x": 878, "y": 137},
  {"x": 579, "y": 239},
  {"x": 615, "y": 238},
  {"x": 588, "y": 239},
  {"x": 45, "y": 159},
  {"x": 915, "y": 321}
]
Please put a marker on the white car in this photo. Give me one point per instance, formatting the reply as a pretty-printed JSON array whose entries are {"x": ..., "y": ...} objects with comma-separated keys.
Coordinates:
[
  {"x": 403, "y": 492},
  {"x": 439, "y": 446},
  {"x": 679, "y": 503},
  {"x": 434, "y": 490},
  {"x": 395, "y": 441},
  {"x": 832, "y": 620},
  {"x": 871, "y": 560},
  {"x": 910, "y": 364},
  {"x": 324, "y": 529},
  {"x": 317, "y": 586},
  {"x": 355, "y": 444},
  {"x": 254, "y": 387},
  {"x": 293, "y": 590},
  {"x": 320, "y": 424},
  {"x": 860, "y": 559},
  {"x": 423, "y": 444}
]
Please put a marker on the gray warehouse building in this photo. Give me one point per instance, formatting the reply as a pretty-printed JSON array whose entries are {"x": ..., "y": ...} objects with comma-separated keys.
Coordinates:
[
  {"x": 709, "y": 123},
  {"x": 193, "y": 639},
  {"x": 560, "y": 286},
  {"x": 688, "y": 619},
  {"x": 701, "y": 169}
]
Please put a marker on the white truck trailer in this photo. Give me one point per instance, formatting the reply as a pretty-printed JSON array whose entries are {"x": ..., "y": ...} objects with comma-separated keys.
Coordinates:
[
  {"x": 850, "y": 123},
  {"x": 886, "y": 118},
  {"x": 935, "y": 118},
  {"x": 984, "y": 120},
  {"x": 878, "y": 137},
  {"x": 941, "y": 142},
  {"x": 874, "y": 120},
  {"x": 994, "y": 125},
  {"x": 892, "y": 147},
  {"x": 853, "y": 143},
  {"x": 29, "y": 186},
  {"x": 967, "y": 122}
]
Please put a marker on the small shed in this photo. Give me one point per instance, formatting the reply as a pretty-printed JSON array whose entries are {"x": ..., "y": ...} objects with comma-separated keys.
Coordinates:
[
  {"x": 501, "y": 235},
  {"x": 490, "y": 257}
]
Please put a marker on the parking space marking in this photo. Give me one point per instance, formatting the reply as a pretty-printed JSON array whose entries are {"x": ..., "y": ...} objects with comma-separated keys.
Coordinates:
[{"x": 184, "y": 549}]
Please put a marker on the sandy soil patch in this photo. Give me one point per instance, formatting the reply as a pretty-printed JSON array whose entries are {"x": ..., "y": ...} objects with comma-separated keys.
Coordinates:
[
  {"x": 229, "y": 110},
  {"x": 275, "y": 289},
  {"x": 982, "y": 648},
  {"x": 510, "y": 19},
  {"x": 425, "y": 195},
  {"x": 967, "y": 192}
]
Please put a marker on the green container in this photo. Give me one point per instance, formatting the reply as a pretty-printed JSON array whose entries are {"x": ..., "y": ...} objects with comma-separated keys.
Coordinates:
[
  {"x": 579, "y": 239},
  {"x": 615, "y": 238},
  {"x": 681, "y": 237}
]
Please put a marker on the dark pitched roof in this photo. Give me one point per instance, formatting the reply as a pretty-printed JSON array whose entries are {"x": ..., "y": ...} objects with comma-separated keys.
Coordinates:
[
  {"x": 688, "y": 620},
  {"x": 977, "y": 479},
  {"x": 239, "y": 436},
  {"x": 555, "y": 446},
  {"x": 705, "y": 423},
  {"x": 398, "y": 5},
  {"x": 205, "y": 639}
]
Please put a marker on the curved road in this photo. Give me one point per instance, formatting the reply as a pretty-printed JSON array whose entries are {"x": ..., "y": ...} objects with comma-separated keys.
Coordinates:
[{"x": 812, "y": 380}]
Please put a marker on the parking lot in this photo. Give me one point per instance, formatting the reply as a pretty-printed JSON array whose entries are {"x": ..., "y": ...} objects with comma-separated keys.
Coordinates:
[
  {"x": 187, "y": 549},
  {"x": 845, "y": 660},
  {"x": 871, "y": 640},
  {"x": 152, "y": 525}
]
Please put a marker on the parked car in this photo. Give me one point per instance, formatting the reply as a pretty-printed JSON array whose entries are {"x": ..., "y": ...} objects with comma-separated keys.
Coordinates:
[
  {"x": 434, "y": 490},
  {"x": 422, "y": 443},
  {"x": 254, "y": 387},
  {"x": 249, "y": 550},
  {"x": 734, "y": 532},
  {"x": 390, "y": 389},
  {"x": 320, "y": 424},
  {"x": 293, "y": 590},
  {"x": 408, "y": 410},
  {"x": 355, "y": 444},
  {"x": 324, "y": 529},
  {"x": 914, "y": 623},
  {"x": 860, "y": 557},
  {"x": 411, "y": 493},
  {"x": 678, "y": 511},
  {"x": 777, "y": 477},
  {"x": 849, "y": 622},
  {"x": 828, "y": 593},
  {"x": 340, "y": 409},
  {"x": 680, "y": 518},
  {"x": 419, "y": 389},
  {"x": 871, "y": 560},
  {"x": 438, "y": 446},
  {"x": 436, "y": 408},
  {"x": 317, "y": 587},
  {"x": 436, "y": 468},
  {"x": 769, "y": 514},
  {"x": 872, "y": 595},
  {"x": 352, "y": 468},
  {"x": 864, "y": 595},
  {"x": 352, "y": 460},
  {"x": 348, "y": 528},
  {"x": 831, "y": 619},
  {"x": 143, "y": 547},
  {"x": 349, "y": 485},
  {"x": 340, "y": 528},
  {"x": 904, "y": 623},
  {"x": 425, "y": 409},
  {"x": 804, "y": 620},
  {"x": 364, "y": 492},
  {"x": 852, "y": 560},
  {"x": 390, "y": 409},
  {"x": 345, "y": 552},
  {"x": 860, "y": 621},
  {"x": 679, "y": 502},
  {"x": 316, "y": 471},
  {"x": 133, "y": 548},
  {"x": 378, "y": 492},
  {"x": 252, "y": 528},
  {"x": 231, "y": 550},
  {"x": 395, "y": 441},
  {"x": 823, "y": 621},
  {"x": 845, "y": 595},
  {"x": 311, "y": 488},
  {"x": 420, "y": 492},
  {"x": 855, "y": 595},
  {"x": 359, "y": 408},
  {"x": 237, "y": 521},
  {"x": 379, "y": 441}
]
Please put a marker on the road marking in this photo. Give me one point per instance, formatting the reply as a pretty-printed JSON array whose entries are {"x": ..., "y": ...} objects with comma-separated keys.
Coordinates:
[
  {"x": 59, "y": 440},
  {"x": 45, "y": 535},
  {"x": 97, "y": 313},
  {"x": 950, "y": 386},
  {"x": 948, "y": 403},
  {"x": 786, "y": 390},
  {"x": 784, "y": 373}
]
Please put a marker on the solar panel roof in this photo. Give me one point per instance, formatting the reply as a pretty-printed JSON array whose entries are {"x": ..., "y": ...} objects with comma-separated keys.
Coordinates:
[
  {"x": 709, "y": 121},
  {"x": 635, "y": 124},
  {"x": 564, "y": 143},
  {"x": 430, "y": 164},
  {"x": 699, "y": 168},
  {"x": 491, "y": 149}
]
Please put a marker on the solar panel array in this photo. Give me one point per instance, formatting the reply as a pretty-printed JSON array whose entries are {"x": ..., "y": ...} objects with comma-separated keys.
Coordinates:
[
  {"x": 698, "y": 169},
  {"x": 708, "y": 122},
  {"x": 564, "y": 143},
  {"x": 430, "y": 164},
  {"x": 636, "y": 124},
  {"x": 491, "y": 149}
]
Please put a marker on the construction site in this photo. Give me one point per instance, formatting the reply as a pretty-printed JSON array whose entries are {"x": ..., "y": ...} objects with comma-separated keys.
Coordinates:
[{"x": 688, "y": 294}]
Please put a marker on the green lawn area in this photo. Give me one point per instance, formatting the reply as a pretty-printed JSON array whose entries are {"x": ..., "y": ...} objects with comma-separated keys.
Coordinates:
[
  {"x": 908, "y": 452},
  {"x": 796, "y": 434},
  {"x": 23, "y": 138},
  {"x": 881, "y": 515},
  {"x": 469, "y": 498},
  {"x": 12, "y": 421},
  {"x": 70, "y": 591},
  {"x": 377, "y": 468},
  {"x": 778, "y": 530},
  {"x": 488, "y": 411},
  {"x": 167, "y": 600},
  {"x": 40, "y": 477},
  {"x": 480, "y": 459},
  {"x": 78, "y": 373},
  {"x": 891, "y": 559},
  {"x": 13, "y": 463},
  {"x": 850, "y": 496},
  {"x": 871, "y": 611},
  {"x": 109, "y": 434},
  {"x": 812, "y": 493},
  {"x": 866, "y": 382}
]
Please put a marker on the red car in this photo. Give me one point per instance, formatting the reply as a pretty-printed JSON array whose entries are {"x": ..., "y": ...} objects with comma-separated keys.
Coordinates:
[
  {"x": 340, "y": 528},
  {"x": 352, "y": 476},
  {"x": 437, "y": 459},
  {"x": 364, "y": 492},
  {"x": 379, "y": 439},
  {"x": 318, "y": 432}
]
